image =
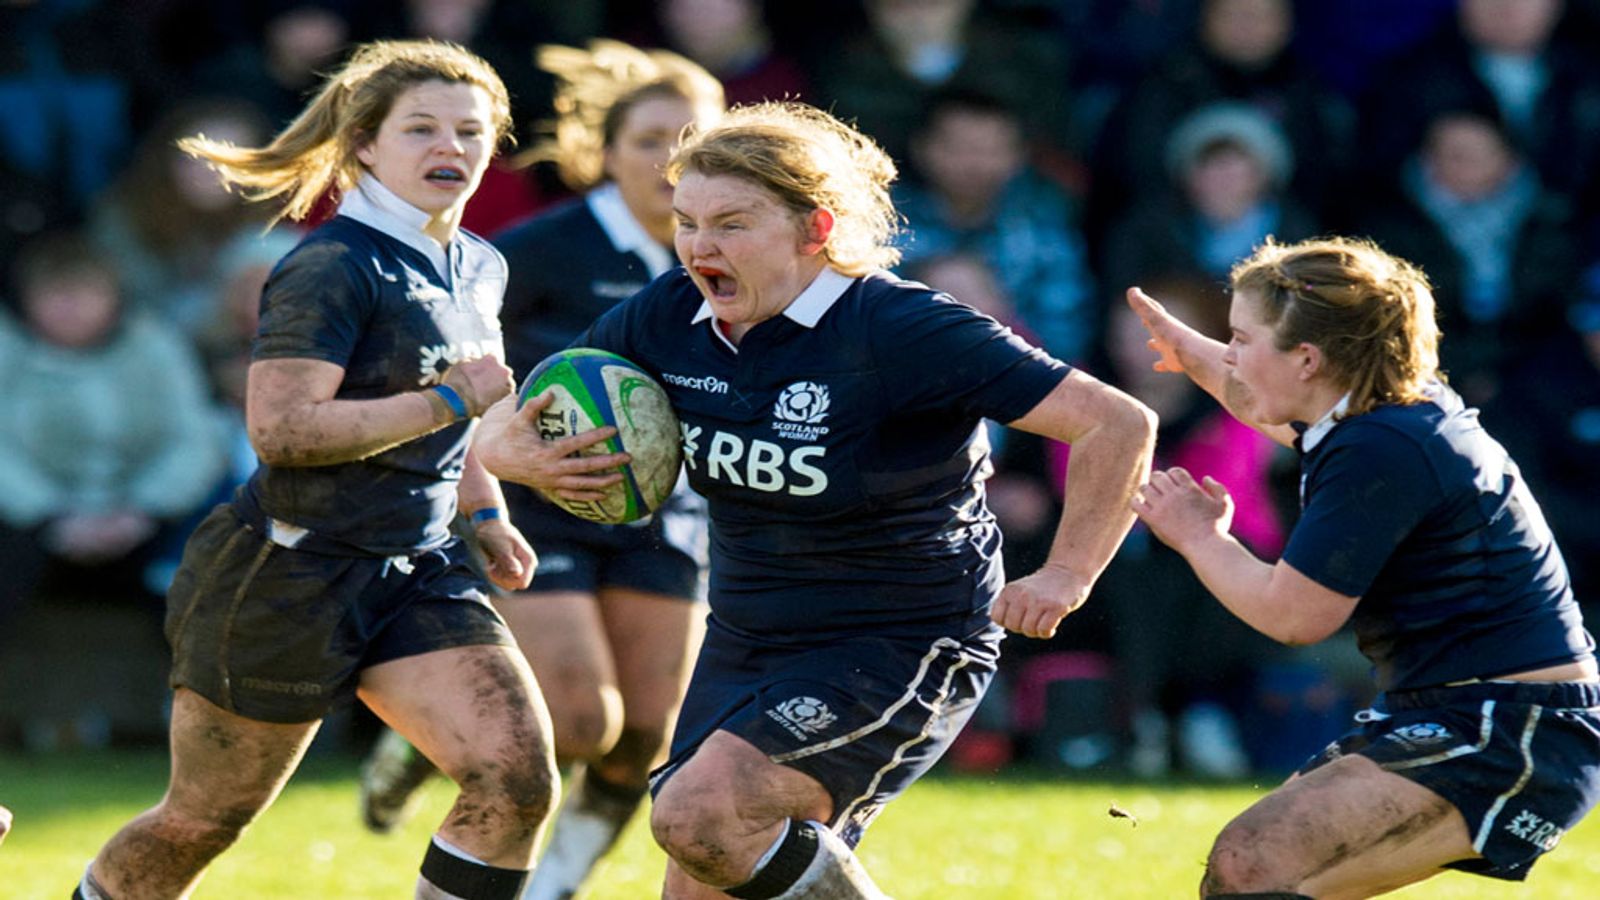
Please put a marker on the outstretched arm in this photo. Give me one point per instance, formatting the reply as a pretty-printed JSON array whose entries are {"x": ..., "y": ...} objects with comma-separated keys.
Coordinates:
[
  {"x": 1112, "y": 437},
  {"x": 1185, "y": 350}
]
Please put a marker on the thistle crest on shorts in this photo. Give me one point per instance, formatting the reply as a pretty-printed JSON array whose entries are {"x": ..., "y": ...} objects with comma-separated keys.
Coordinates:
[{"x": 803, "y": 717}]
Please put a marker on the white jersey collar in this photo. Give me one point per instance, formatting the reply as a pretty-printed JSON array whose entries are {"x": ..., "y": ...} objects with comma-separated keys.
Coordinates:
[
  {"x": 808, "y": 308},
  {"x": 374, "y": 205},
  {"x": 1319, "y": 429},
  {"x": 625, "y": 232}
]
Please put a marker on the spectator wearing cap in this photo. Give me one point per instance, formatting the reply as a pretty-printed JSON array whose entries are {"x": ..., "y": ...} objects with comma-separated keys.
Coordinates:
[
  {"x": 1239, "y": 52},
  {"x": 1229, "y": 166},
  {"x": 1496, "y": 245}
]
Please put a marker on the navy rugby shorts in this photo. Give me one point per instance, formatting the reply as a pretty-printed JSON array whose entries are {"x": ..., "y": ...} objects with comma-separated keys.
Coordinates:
[
  {"x": 664, "y": 554},
  {"x": 633, "y": 559},
  {"x": 865, "y": 716},
  {"x": 1521, "y": 761},
  {"x": 281, "y": 635}
]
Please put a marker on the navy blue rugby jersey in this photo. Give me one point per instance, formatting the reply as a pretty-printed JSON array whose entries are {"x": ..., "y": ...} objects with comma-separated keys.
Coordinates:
[
  {"x": 1420, "y": 513},
  {"x": 368, "y": 291},
  {"x": 839, "y": 447}
]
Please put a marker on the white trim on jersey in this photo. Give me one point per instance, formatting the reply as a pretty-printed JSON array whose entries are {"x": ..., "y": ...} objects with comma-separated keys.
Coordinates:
[
  {"x": 625, "y": 232},
  {"x": 374, "y": 205},
  {"x": 808, "y": 308},
  {"x": 1319, "y": 429}
]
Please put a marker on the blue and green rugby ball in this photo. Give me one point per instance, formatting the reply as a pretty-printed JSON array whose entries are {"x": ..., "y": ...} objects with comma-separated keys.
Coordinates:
[{"x": 591, "y": 389}]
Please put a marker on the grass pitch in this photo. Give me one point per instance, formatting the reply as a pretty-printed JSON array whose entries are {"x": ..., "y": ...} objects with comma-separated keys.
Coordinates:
[{"x": 1013, "y": 837}]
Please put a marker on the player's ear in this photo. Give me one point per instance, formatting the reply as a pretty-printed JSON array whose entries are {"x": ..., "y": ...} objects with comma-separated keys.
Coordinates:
[
  {"x": 1311, "y": 360},
  {"x": 366, "y": 154},
  {"x": 818, "y": 225}
]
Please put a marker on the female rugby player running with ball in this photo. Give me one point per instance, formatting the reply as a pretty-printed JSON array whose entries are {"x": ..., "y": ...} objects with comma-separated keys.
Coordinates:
[{"x": 857, "y": 598}]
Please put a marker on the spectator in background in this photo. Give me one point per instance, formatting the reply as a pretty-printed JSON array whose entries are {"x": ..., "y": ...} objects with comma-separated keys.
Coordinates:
[
  {"x": 66, "y": 92},
  {"x": 107, "y": 439},
  {"x": 1496, "y": 246},
  {"x": 732, "y": 40},
  {"x": 1239, "y": 53},
  {"x": 29, "y": 206},
  {"x": 1230, "y": 167},
  {"x": 1182, "y": 693},
  {"x": 883, "y": 77},
  {"x": 1549, "y": 419},
  {"x": 167, "y": 222},
  {"x": 1349, "y": 41},
  {"x": 977, "y": 194},
  {"x": 1126, "y": 41},
  {"x": 1504, "y": 55},
  {"x": 290, "y": 45}
]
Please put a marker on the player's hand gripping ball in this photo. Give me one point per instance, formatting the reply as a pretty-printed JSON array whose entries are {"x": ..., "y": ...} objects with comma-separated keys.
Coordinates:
[{"x": 591, "y": 389}]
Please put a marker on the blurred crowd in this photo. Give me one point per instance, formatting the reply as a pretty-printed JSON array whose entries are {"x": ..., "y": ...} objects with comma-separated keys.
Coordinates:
[{"x": 1052, "y": 153}]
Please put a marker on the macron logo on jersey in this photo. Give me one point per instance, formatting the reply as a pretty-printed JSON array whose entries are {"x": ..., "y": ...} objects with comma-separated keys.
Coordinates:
[{"x": 707, "y": 383}]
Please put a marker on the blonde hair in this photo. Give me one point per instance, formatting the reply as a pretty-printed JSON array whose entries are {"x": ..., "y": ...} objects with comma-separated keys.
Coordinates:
[
  {"x": 808, "y": 160},
  {"x": 597, "y": 88},
  {"x": 318, "y": 149},
  {"x": 1370, "y": 313}
]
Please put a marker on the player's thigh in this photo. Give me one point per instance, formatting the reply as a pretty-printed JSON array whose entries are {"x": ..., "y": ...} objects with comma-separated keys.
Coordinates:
[
  {"x": 653, "y": 638},
  {"x": 225, "y": 766},
  {"x": 564, "y": 639},
  {"x": 462, "y": 705},
  {"x": 1348, "y": 829}
]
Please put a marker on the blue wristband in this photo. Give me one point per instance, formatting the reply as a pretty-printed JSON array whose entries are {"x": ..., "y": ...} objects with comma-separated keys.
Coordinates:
[
  {"x": 453, "y": 400},
  {"x": 488, "y": 513}
]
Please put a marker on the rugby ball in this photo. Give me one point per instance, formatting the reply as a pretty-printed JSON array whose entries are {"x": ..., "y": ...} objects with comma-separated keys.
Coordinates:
[{"x": 591, "y": 389}]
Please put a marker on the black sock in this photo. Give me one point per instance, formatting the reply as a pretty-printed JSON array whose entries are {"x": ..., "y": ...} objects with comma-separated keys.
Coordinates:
[
  {"x": 601, "y": 794},
  {"x": 783, "y": 868},
  {"x": 469, "y": 879}
]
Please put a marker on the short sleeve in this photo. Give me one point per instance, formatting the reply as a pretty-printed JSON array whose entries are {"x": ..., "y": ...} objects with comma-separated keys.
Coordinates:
[
  {"x": 314, "y": 306},
  {"x": 933, "y": 352},
  {"x": 1365, "y": 495}
]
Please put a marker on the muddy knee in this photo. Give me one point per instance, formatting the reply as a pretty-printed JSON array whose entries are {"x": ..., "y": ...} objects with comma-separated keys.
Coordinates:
[
  {"x": 531, "y": 787},
  {"x": 1237, "y": 864},
  {"x": 587, "y": 728},
  {"x": 692, "y": 830}
]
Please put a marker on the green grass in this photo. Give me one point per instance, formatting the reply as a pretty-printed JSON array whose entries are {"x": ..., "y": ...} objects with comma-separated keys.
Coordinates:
[{"x": 1011, "y": 838}]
